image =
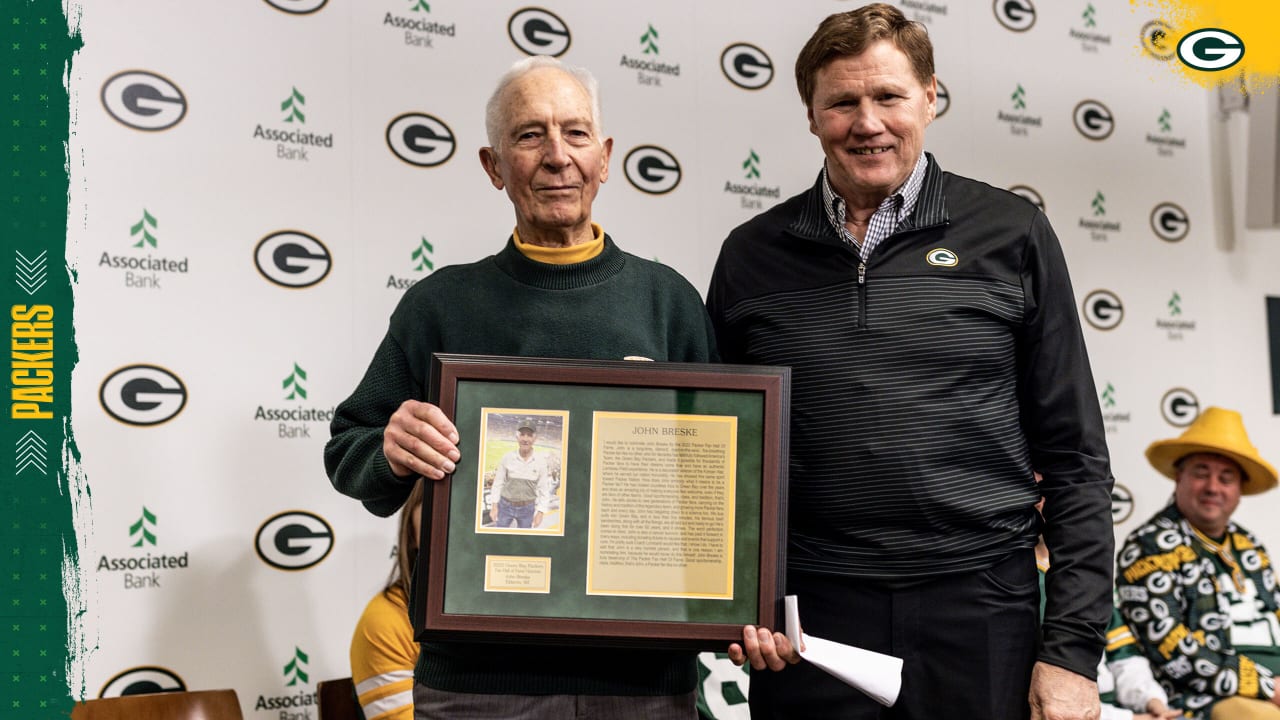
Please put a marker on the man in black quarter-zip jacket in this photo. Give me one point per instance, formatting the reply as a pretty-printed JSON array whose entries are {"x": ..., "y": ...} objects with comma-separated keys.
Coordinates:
[{"x": 937, "y": 359}]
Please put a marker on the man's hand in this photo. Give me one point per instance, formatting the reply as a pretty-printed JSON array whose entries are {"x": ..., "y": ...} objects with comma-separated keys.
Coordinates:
[
  {"x": 420, "y": 440},
  {"x": 1059, "y": 694},
  {"x": 1157, "y": 710},
  {"x": 763, "y": 649},
  {"x": 537, "y": 519}
]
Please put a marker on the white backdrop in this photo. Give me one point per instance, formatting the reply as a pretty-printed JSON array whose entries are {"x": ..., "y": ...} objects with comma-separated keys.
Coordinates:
[{"x": 199, "y": 486}]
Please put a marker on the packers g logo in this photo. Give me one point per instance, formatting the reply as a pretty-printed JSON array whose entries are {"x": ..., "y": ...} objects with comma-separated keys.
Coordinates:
[
  {"x": 942, "y": 257},
  {"x": 1103, "y": 309},
  {"x": 294, "y": 540},
  {"x": 1169, "y": 222},
  {"x": 421, "y": 139},
  {"x": 1121, "y": 504},
  {"x": 1093, "y": 120},
  {"x": 944, "y": 101},
  {"x": 1179, "y": 407},
  {"x": 297, "y": 7},
  {"x": 1210, "y": 49},
  {"x": 143, "y": 100},
  {"x": 536, "y": 31},
  {"x": 143, "y": 680},
  {"x": 1029, "y": 194},
  {"x": 292, "y": 259},
  {"x": 652, "y": 170},
  {"x": 746, "y": 66},
  {"x": 1016, "y": 15},
  {"x": 142, "y": 395},
  {"x": 1155, "y": 39}
]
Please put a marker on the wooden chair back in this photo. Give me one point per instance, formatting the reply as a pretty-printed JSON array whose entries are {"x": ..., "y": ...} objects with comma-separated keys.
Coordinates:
[
  {"x": 338, "y": 700},
  {"x": 195, "y": 705}
]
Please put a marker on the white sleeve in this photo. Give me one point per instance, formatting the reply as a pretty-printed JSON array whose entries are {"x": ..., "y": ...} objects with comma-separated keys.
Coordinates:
[{"x": 1135, "y": 685}]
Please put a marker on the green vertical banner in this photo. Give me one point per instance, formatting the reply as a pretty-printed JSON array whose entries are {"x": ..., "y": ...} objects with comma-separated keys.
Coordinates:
[{"x": 38, "y": 580}]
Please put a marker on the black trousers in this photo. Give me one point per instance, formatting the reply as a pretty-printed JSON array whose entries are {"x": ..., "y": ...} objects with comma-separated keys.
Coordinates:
[{"x": 968, "y": 642}]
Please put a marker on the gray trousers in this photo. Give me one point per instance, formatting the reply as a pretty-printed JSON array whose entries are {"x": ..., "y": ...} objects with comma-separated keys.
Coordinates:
[{"x": 432, "y": 704}]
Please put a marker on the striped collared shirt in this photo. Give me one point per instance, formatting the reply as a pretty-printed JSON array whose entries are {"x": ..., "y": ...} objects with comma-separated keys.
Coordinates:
[{"x": 892, "y": 210}]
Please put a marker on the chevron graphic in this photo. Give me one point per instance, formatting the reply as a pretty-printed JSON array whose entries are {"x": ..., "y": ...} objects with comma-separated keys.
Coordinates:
[
  {"x": 648, "y": 41},
  {"x": 423, "y": 255},
  {"x": 31, "y": 274},
  {"x": 142, "y": 528},
  {"x": 31, "y": 451},
  {"x": 294, "y": 104},
  {"x": 294, "y": 381},
  {"x": 1017, "y": 98},
  {"x": 751, "y": 165},
  {"x": 1098, "y": 207},
  {"x": 144, "y": 226},
  {"x": 294, "y": 671}
]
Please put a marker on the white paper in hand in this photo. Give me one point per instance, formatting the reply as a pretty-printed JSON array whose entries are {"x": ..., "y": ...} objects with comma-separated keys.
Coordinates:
[{"x": 876, "y": 675}]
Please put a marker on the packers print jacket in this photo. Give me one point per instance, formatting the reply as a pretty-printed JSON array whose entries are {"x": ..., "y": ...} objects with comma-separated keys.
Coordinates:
[{"x": 1173, "y": 599}]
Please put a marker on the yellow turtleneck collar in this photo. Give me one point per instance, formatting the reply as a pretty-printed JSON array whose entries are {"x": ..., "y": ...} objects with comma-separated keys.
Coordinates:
[{"x": 565, "y": 255}]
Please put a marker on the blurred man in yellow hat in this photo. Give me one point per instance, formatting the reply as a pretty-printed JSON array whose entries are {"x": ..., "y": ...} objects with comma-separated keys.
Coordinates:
[{"x": 1199, "y": 590}]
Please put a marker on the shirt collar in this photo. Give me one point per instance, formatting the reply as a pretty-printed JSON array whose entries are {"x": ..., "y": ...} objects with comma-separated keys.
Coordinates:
[{"x": 906, "y": 195}]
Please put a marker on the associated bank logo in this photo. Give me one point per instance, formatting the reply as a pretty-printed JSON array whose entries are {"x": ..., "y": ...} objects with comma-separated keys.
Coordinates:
[
  {"x": 294, "y": 540},
  {"x": 144, "y": 529},
  {"x": 1170, "y": 222},
  {"x": 1028, "y": 193},
  {"x": 295, "y": 674},
  {"x": 746, "y": 66},
  {"x": 1210, "y": 49},
  {"x": 649, "y": 71},
  {"x": 1155, "y": 39},
  {"x": 944, "y": 101},
  {"x": 421, "y": 261},
  {"x": 142, "y": 395},
  {"x": 1093, "y": 120},
  {"x": 942, "y": 257},
  {"x": 1089, "y": 38},
  {"x": 292, "y": 259},
  {"x": 293, "y": 143},
  {"x": 293, "y": 423},
  {"x": 1176, "y": 325},
  {"x": 144, "y": 271},
  {"x": 419, "y": 31},
  {"x": 420, "y": 139},
  {"x": 144, "y": 680},
  {"x": 749, "y": 194},
  {"x": 1019, "y": 122},
  {"x": 1112, "y": 415},
  {"x": 1098, "y": 228},
  {"x": 536, "y": 31},
  {"x": 297, "y": 7},
  {"x": 1015, "y": 15},
  {"x": 1121, "y": 504},
  {"x": 1179, "y": 407},
  {"x": 651, "y": 169},
  {"x": 1164, "y": 141},
  {"x": 1103, "y": 310},
  {"x": 143, "y": 100}
]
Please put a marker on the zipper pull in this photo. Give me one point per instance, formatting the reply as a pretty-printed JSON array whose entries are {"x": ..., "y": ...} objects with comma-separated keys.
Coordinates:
[{"x": 862, "y": 273}]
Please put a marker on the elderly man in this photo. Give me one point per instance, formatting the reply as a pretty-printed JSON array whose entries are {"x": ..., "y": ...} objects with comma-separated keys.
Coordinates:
[
  {"x": 560, "y": 288},
  {"x": 521, "y": 490},
  {"x": 1199, "y": 590},
  {"x": 936, "y": 359}
]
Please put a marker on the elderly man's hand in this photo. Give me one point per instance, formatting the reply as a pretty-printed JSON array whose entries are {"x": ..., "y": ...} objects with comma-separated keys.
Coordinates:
[
  {"x": 1059, "y": 694},
  {"x": 420, "y": 440},
  {"x": 763, "y": 649}
]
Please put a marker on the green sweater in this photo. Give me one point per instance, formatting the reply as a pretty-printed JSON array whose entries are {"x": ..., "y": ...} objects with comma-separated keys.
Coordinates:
[{"x": 612, "y": 306}]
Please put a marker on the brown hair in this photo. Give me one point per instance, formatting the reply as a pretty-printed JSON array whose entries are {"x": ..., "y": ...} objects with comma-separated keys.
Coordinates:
[
  {"x": 850, "y": 33},
  {"x": 406, "y": 543}
]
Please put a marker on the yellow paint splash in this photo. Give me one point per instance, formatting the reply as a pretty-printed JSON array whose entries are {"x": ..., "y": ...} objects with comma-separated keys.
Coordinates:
[{"x": 1255, "y": 22}]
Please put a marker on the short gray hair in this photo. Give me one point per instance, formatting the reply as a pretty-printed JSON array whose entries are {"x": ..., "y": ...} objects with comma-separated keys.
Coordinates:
[{"x": 493, "y": 115}]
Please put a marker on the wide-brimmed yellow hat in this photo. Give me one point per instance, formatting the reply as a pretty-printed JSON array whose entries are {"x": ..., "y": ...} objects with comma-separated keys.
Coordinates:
[{"x": 1221, "y": 432}]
